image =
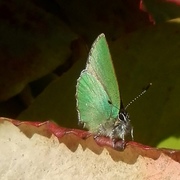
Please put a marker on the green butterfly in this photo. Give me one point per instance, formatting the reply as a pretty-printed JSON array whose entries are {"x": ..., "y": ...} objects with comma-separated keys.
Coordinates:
[{"x": 97, "y": 93}]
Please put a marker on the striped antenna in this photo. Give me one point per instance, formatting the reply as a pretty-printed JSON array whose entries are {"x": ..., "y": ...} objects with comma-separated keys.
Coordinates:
[{"x": 143, "y": 92}]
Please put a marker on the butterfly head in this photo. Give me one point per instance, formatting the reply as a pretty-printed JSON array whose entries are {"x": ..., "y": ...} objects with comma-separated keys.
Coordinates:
[{"x": 122, "y": 126}]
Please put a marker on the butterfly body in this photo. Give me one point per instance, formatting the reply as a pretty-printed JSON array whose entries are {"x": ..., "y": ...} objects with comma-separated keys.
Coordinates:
[{"x": 97, "y": 94}]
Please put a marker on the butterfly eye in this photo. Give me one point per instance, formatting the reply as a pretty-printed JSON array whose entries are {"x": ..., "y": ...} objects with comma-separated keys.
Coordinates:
[{"x": 123, "y": 117}]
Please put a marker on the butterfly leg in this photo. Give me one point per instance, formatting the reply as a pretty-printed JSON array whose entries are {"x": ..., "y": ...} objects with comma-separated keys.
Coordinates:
[
  {"x": 119, "y": 144},
  {"x": 96, "y": 136},
  {"x": 100, "y": 131},
  {"x": 82, "y": 124},
  {"x": 132, "y": 136}
]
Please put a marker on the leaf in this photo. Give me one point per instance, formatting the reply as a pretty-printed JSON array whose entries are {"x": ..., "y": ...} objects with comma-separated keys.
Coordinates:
[
  {"x": 33, "y": 146},
  {"x": 89, "y": 19},
  {"x": 170, "y": 142},
  {"x": 151, "y": 55},
  {"x": 148, "y": 55},
  {"x": 57, "y": 102},
  {"x": 161, "y": 10},
  {"x": 33, "y": 44}
]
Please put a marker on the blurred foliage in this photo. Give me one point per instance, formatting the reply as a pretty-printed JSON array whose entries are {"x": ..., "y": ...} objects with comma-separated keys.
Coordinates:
[
  {"x": 45, "y": 44},
  {"x": 161, "y": 10},
  {"x": 170, "y": 142}
]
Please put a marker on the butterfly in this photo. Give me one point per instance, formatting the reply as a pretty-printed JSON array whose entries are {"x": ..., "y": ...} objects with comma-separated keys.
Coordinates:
[{"x": 98, "y": 102}]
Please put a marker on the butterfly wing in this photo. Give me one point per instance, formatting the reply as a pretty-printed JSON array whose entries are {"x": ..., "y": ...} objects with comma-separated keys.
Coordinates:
[
  {"x": 100, "y": 65},
  {"x": 97, "y": 91},
  {"x": 92, "y": 101}
]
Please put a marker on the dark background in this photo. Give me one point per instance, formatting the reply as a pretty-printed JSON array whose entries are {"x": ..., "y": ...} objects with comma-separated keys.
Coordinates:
[{"x": 44, "y": 46}]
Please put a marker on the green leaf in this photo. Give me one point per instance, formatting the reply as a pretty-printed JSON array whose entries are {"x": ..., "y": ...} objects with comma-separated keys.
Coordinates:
[
  {"x": 57, "y": 101},
  {"x": 162, "y": 10},
  {"x": 151, "y": 55},
  {"x": 148, "y": 55},
  {"x": 170, "y": 142}
]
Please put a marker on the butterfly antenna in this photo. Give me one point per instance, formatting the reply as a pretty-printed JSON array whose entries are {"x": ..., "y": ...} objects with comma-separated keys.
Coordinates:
[{"x": 143, "y": 92}]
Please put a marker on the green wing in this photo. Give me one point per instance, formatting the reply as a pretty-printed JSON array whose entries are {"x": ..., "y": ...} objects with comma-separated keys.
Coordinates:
[
  {"x": 100, "y": 65},
  {"x": 97, "y": 92},
  {"x": 92, "y": 101}
]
